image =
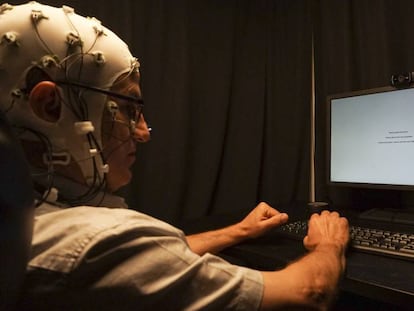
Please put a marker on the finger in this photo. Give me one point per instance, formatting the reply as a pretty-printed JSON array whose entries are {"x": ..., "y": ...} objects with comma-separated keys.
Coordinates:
[
  {"x": 263, "y": 205},
  {"x": 269, "y": 212},
  {"x": 334, "y": 214},
  {"x": 314, "y": 216},
  {"x": 325, "y": 213},
  {"x": 268, "y": 209},
  {"x": 344, "y": 221}
]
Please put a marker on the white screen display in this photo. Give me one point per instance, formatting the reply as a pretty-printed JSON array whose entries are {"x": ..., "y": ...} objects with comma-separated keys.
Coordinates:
[{"x": 372, "y": 138}]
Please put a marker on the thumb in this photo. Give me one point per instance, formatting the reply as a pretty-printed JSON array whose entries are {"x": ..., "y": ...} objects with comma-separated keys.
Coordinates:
[
  {"x": 278, "y": 219},
  {"x": 305, "y": 242},
  {"x": 309, "y": 245}
]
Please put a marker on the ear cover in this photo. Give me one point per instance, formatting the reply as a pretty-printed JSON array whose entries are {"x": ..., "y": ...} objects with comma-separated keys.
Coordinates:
[{"x": 45, "y": 101}]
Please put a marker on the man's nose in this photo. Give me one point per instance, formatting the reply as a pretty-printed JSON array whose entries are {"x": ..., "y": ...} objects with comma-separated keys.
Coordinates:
[{"x": 142, "y": 131}]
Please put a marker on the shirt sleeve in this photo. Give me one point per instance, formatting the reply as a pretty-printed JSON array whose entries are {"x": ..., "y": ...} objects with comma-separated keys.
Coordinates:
[{"x": 130, "y": 261}]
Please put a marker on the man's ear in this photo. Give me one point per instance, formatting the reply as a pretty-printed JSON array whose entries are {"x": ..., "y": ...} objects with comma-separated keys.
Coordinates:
[{"x": 45, "y": 101}]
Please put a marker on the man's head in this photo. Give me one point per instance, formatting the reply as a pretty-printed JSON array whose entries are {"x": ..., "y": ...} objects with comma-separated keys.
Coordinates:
[{"x": 62, "y": 81}]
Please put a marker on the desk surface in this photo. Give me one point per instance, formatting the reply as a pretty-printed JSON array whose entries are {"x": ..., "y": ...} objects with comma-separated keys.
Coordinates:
[{"x": 378, "y": 278}]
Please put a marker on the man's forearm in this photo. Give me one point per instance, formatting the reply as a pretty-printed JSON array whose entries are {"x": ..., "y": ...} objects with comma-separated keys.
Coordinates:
[
  {"x": 259, "y": 221},
  {"x": 216, "y": 240},
  {"x": 310, "y": 282}
]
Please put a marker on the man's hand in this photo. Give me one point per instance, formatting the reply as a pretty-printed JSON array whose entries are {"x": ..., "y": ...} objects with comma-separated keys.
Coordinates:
[
  {"x": 261, "y": 219},
  {"x": 311, "y": 282},
  {"x": 329, "y": 228}
]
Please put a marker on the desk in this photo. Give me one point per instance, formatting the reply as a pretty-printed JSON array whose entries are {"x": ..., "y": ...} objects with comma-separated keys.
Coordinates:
[{"x": 372, "y": 282}]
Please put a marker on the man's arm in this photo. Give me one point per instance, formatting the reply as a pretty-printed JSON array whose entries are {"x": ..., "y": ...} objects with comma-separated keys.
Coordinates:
[
  {"x": 257, "y": 222},
  {"x": 311, "y": 282}
]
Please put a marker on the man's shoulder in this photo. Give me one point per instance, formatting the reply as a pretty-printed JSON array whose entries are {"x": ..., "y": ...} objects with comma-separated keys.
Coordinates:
[
  {"x": 92, "y": 220},
  {"x": 88, "y": 217},
  {"x": 62, "y": 236}
]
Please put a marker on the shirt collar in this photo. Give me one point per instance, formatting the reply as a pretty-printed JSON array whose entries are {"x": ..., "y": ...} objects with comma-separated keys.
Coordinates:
[{"x": 66, "y": 193}]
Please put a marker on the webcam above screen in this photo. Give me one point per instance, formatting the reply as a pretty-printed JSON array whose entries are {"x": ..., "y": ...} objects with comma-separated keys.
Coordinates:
[{"x": 371, "y": 138}]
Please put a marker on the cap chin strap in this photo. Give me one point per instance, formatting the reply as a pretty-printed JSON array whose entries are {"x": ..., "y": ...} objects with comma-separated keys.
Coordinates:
[{"x": 58, "y": 158}]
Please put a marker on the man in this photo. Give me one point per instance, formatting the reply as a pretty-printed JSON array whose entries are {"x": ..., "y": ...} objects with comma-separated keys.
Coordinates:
[{"x": 71, "y": 88}]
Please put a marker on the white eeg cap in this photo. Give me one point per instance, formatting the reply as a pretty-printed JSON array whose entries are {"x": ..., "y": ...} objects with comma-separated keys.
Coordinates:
[{"x": 67, "y": 47}]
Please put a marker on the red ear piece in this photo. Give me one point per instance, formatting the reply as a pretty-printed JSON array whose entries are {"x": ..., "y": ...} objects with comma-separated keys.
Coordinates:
[{"x": 45, "y": 102}]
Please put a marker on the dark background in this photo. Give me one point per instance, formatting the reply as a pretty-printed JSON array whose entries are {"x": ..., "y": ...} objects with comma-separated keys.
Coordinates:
[{"x": 227, "y": 87}]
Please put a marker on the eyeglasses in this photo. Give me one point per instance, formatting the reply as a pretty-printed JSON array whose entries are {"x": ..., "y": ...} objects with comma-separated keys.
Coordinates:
[{"x": 134, "y": 108}]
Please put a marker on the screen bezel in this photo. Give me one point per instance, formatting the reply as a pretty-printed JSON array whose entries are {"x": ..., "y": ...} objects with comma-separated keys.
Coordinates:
[{"x": 383, "y": 89}]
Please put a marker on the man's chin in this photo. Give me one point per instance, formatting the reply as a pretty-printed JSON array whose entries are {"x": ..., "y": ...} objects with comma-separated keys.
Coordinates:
[{"x": 114, "y": 184}]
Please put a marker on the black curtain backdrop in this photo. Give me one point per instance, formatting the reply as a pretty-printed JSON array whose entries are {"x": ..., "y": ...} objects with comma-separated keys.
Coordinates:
[{"x": 227, "y": 87}]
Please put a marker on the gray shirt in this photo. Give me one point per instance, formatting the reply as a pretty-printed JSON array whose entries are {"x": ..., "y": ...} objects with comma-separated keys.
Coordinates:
[{"x": 104, "y": 258}]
